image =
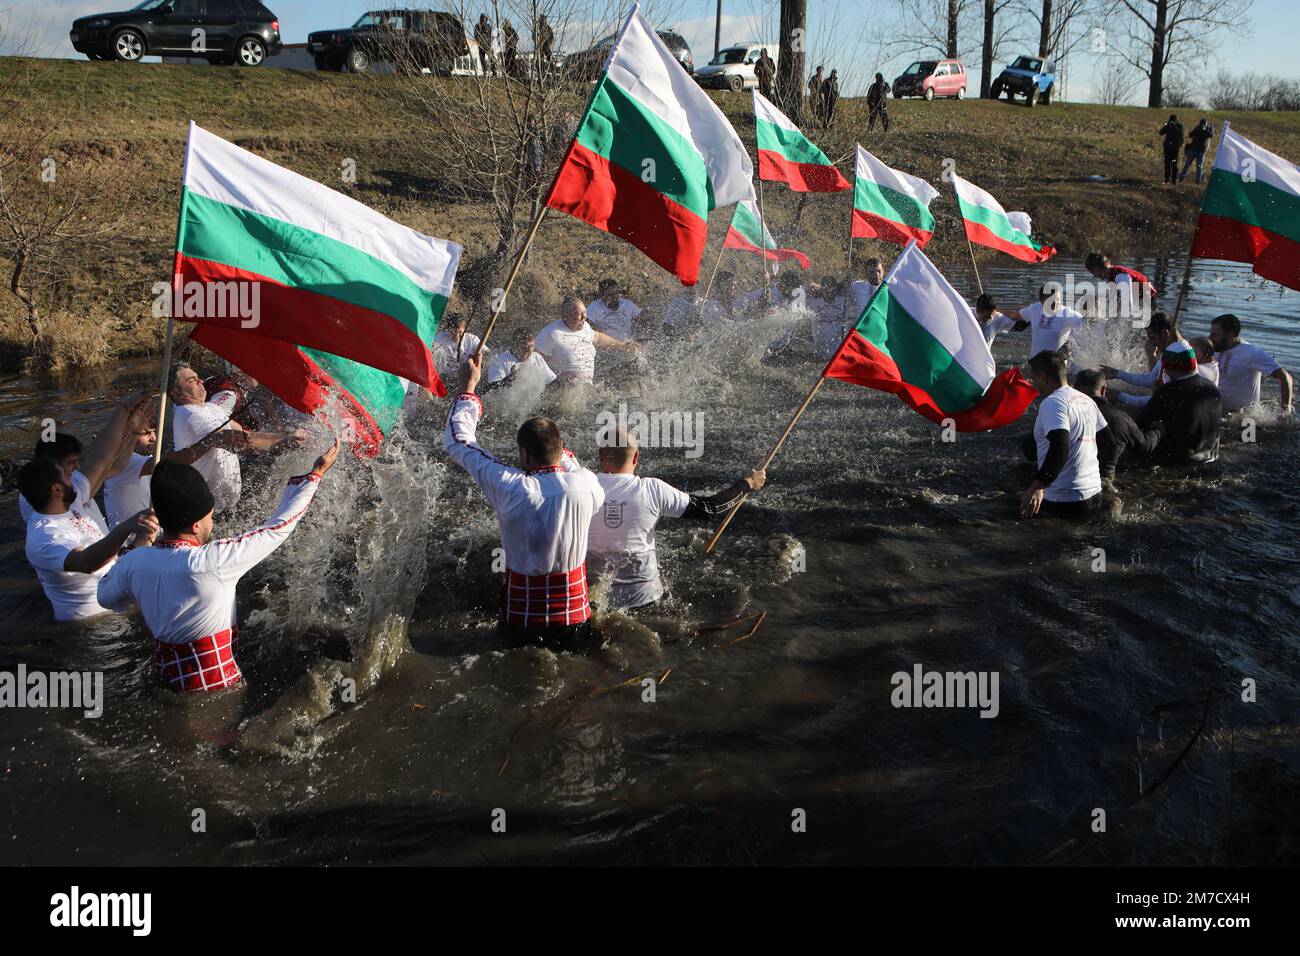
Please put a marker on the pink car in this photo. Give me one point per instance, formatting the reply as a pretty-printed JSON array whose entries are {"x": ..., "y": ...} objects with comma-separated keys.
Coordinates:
[{"x": 931, "y": 78}]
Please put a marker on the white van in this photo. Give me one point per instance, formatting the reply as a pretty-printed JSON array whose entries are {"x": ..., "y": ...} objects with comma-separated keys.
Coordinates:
[{"x": 733, "y": 67}]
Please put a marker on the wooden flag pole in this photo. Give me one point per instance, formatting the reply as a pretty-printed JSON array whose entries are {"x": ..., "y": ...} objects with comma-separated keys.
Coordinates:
[
  {"x": 798, "y": 412},
  {"x": 514, "y": 272},
  {"x": 716, "y": 262},
  {"x": 762, "y": 242},
  {"x": 969, "y": 245},
  {"x": 167, "y": 359}
]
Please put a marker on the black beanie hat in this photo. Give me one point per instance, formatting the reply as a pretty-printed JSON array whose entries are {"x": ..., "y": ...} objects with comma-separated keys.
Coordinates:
[{"x": 180, "y": 495}]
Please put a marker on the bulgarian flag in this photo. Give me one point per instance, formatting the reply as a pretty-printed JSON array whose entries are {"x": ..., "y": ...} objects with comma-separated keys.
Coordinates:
[
  {"x": 890, "y": 205},
  {"x": 918, "y": 339},
  {"x": 749, "y": 232},
  {"x": 652, "y": 155},
  {"x": 786, "y": 155},
  {"x": 1251, "y": 211},
  {"x": 346, "y": 300},
  {"x": 988, "y": 224}
]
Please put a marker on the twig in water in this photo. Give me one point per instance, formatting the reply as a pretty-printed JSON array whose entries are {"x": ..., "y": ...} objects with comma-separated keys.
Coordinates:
[
  {"x": 1205, "y": 714},
  {"x": 752, "y": 631}
]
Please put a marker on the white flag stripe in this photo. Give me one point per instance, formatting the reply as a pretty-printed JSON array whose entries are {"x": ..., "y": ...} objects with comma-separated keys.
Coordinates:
[
  {"x": 922, "y": 291},
  {"x": 1236, "y": 154},
  {"x": 1021, "y": 221},
  {"x": 223, "y": 171},
  {"x": 873, "y": 170},
  {"x": 765, "y": 109},
  {"x": 642, "y": 66}
]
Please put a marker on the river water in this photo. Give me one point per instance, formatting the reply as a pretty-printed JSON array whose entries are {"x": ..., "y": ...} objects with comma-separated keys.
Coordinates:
[{"x": 876, "y": 547}]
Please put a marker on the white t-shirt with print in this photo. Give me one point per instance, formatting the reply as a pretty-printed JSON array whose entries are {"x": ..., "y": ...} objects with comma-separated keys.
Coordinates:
[
  {"x": 616, "y": 322},
  {"x": 1080, "y": 476},
  {"x": 1240, "y": 369},
  {"x": 568, "y": 352},
  {"x": 1050, "y": 332},
  {"x": 51, "y": 538},
  {"x": 503, "y": 363},
  {"x": 622, "y": 535},
  {"x": 219, "y": 467}
]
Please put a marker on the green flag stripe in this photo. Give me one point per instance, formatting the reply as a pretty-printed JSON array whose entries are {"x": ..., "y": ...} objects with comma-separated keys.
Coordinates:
[
  {"x": 629, "y": 135},
  {"x": 791, "y": 144},
  {"x": 996, "y": 223},
  {"x": 380, "y": 393},
  {"x": 749, "y": 227},
  {"x": 921, "y": 358},
  {"x": 880, "y": 200}
]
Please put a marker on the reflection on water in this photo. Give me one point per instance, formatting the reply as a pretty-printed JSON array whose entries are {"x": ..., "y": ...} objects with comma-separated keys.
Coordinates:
[{"x": 874, "y": 547}]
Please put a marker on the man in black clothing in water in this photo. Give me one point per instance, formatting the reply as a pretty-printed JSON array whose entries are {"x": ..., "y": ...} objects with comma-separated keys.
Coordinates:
[
  {"x": 1124, "y": 431},
  {"x": 1187, "y": 411}
]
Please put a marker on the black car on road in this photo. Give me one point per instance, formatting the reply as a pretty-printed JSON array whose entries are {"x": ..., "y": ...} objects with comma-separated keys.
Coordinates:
[
  {"x": 587, "y": 64},
  {"x": 412, "y": 40},
  {"x": 241, "y": 32}
]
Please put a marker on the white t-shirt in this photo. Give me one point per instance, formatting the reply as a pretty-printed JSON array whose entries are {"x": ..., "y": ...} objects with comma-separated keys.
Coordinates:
[
  {"x": 1208, "y": 370},
  {"x": 504, "y": 363},
  {"x": 622, "y": 536},
  {"x": 1050, "y": 332},
  {"x": 997, "y": 324},
  {"x": 51, "y": 538},
  {"x": 219, "y": 467},
  {"x": 862, "y": 292},
  {"x": 568, "y": 352},
  {"x": 1240, "y": 368},
  {"x": 1080, "y": 477},
  {"x": 444, "y": 351},
  {"x": 127, "y": 492},
  {"x": 617, "y": 322}
]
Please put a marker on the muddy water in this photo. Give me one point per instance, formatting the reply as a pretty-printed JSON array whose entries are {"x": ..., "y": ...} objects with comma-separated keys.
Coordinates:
[{"x": 876, "y": 547}]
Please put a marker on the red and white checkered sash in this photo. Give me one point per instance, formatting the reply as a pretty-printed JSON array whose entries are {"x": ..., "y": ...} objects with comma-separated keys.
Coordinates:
[
  {"x": 546, "y": 600},
  {"x": 204, "y": 664}
]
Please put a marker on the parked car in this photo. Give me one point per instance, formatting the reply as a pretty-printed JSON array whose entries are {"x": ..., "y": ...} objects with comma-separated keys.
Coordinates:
[
  {"x": 1029, "y": 76},
  {"x": 587, "y": 64},
  {"x": 931, "y": 78},
  {"x": 241, "y": 32},
  {"x": 409, "y": 39},
  {"x": 733, "y": 67}
]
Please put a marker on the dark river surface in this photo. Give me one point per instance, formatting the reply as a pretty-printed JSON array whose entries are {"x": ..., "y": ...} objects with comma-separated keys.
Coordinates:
[{"x": 875, "y": 547}]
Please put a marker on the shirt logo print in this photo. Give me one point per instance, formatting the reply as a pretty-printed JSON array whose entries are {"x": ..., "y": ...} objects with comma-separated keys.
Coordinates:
[{"x": 614, "y": 514}]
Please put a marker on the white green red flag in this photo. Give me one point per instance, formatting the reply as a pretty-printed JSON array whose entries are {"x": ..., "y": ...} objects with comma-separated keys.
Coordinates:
[
  {"x": 749, "y": 232},
  {"x": 653, "y": 154},
  {"x": 988, "y": 224},
  {"x": 786, "y": 155},
  {"x": 347, "y": 300},
  {"x": 889, "y": 204},
  {"x": 1251, "y": 211},
  {"x": 918, "y": 339}
]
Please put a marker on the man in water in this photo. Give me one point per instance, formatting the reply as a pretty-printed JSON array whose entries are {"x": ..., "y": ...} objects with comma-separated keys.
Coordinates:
[
  {"x": 1172, "y": 131},
  {"x": 1207, "y": 362},
  {"x": 569, "y": 344},
  {"x": 522, "y": 359},
  {"x": 878, "y": 103},
  {"x": 1186, "y": 411},
  {"x": 1198, "y": 140},
  {"x": 1130, "y": 285},
  {"x": 1121, "y": 427},
  {"x": 611, "y": 313},
  {"x": 544, "y": 508},
  {"x": 185, "y": 585},
  {"x": 1241, "y": 365},
  {"x": 1050, "y": 322},
  {"x": 864, "y": 288},
  {"x": 451, "y": 344},
  {"x": 829, "y": 315},
  {"x": 1071, "y": 442},
  {"x": 622, "y": 536},
  {"x": 195, "y": 417},
  {"x": 992, "y": 322}
]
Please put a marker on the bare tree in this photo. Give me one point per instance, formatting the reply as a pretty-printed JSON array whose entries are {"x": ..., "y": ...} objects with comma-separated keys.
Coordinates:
[
  {"x": 1164, "y": 34},
  {"x": 1118, "y": 83},
  {"x": 989, "y": 49},
  {"x": 934, "y": 27},
  {"x": 792, "y": 59},
  {"x": 1058, "y": 24}
]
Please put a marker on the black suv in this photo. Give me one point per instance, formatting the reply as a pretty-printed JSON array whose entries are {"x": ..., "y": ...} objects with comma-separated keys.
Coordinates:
[
  {"x": 587, "y": 64},
  {"x": 242, "y": 32},
  {"x": 411, "y": 39}
]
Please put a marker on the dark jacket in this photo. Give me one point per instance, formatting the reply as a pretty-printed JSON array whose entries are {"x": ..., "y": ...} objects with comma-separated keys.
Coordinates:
[
  {"x": 1188, "y": 413},
  {"x": 1173, "y": 134},
  {"x": 1125, "y": 433}
]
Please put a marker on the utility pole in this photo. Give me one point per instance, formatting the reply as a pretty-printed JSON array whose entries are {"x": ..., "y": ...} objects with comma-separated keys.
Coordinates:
[{"x": 717, "y": 31}]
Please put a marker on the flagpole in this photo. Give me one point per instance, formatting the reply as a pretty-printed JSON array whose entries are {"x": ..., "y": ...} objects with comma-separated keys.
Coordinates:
[
  {"x": 514, "y": 271},
  {"x": 1182, "y": 289},
  {"x": 762, "y": 240},
  {"x": 716, "y": 262},
  {"x": 969, "y": 245},
  {"x": 794, "y": 419},
  {"x": 167, "y": 354}
]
